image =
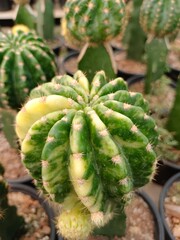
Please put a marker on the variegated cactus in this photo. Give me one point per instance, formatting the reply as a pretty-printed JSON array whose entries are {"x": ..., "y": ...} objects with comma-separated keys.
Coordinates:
[
  {"x": 87, "y": 147},
  {"x": 25, "y": 62},
  {"x": 95, "y": 23},
  {"x": 160, "y": 18}
]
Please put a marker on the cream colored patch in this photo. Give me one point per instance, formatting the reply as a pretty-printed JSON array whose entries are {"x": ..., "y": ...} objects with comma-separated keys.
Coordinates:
[
  {"x": 117, "y": 159},
  {"x": 103, "y": 133},
  {"x": 134, "y": 128}
]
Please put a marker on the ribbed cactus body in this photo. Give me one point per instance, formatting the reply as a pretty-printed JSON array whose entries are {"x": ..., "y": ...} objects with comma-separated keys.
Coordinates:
[
  {"x": 25, "y": 62},
  {"x": 94, "y": 21},
  {"x": 160, "y": 17},
  {"x": 94, "y": 140}
]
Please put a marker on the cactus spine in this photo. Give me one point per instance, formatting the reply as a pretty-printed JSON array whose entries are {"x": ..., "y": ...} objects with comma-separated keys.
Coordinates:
[
  {"x": 95, "y": 23},
  {"x": 25, "y": 62},
  {"x": 159, "y": 20},
  {"x": 94, "y": 142}
]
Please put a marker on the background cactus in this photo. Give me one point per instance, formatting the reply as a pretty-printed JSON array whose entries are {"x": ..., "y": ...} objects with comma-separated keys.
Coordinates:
[
  {"x": 134, "y": 34},
  {"x": 153, "y": 20},
  {"x": 25, "y": 62},
  {"x": 45, "y": 19},
  {"x": 159, "y": 19},
  {"x": 174, "y": 116},
  {"x": 90, "y": 145},
  {"x": 95, "y": 22},
  {"x": 25, "y": 14},
  {"x": 11, "y": 225}
]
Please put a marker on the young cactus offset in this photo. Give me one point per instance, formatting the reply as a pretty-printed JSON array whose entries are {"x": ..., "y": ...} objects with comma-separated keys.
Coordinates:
[
  {"x": 25, "y": 62},
  {"x": 95, "y": 23},
  {"x": 87, "y": 145},
  {"x": 159, "y": 20}
]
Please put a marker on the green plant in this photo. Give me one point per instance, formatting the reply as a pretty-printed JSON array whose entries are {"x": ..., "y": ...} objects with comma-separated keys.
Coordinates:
[
  {"x": 159, "y": 20},
  {"x": 25, "y": 62},
  {"x": 45, "y": 19},
  {"x": 134, "y": 38},
  {"x": 95, "y": 23},
  {"x": 87, "y": 147},
  {"x": 25, "y": 14},
  {"x": 174, "y": 116},
  {"x": 11, "y": 225}
]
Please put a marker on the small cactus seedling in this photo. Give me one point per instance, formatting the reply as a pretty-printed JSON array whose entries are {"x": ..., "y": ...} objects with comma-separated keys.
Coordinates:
[
  {"x": 87, "y": 146},
  {"x": 11, "y": 225},
  {"x": 95, "y": 23},
  {"x": 25, "y": 62},
  {"x": 159, "y": 20}
]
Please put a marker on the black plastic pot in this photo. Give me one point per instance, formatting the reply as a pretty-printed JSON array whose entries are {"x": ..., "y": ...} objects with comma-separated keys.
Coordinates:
[
  {"x": 173, "y": 73},
  {"x": 175, "y": 178},
  {"x": 121, "y": 73},
  {"x": 159, "y": 229},
  {"x": 27, "y": 179},
  {"x": 72, "y": 55},
  {"x": 33, "y": 193},
  {"x": 5, "y": 5},
  {"x": 165, "y": 169}
]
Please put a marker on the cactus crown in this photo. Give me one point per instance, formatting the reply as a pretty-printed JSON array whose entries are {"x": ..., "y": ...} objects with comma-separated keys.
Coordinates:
[
  {"x": 160, "y": 18},
  {"x": 94, "y": 21},
  {"x": 96, "y": 141},
  {"x": 25, "y": 61}
]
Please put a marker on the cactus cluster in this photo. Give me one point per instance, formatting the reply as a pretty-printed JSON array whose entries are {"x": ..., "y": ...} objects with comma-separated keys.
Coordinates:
[
  {"x": 94, "y": 21},
  {"x": 160, "y": 18},
  {"x": 92, "y": 142},
  {"x": 25, "y": 62}
]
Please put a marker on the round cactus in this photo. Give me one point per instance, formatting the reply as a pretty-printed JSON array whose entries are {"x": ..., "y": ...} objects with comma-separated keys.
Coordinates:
[
  {"x": 96, "y": 141},
  {"x": 160, "y": 17},
  {"x": 94, "y": 21},
  {"x": 25, "y": 62}
]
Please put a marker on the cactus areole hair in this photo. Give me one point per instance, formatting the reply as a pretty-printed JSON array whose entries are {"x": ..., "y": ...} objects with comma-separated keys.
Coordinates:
[
  {"x": 93, "y": 143},
  {"x": 94, "y": 21}
]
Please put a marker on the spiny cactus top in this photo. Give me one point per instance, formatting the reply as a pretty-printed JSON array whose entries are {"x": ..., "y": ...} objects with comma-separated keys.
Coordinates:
[
  {"x": 94, "y": 21},
  {"x": 160, "y": 17},
  {"x": 25, "y": 61},
  {"x": 94, "y": 140}
]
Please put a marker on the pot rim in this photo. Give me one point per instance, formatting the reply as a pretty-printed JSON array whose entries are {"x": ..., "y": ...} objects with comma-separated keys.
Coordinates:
[
  {"x": 159, "y": 233},
  {"x": 163, "y": 194},
  {"x": 18, "y": 187}
]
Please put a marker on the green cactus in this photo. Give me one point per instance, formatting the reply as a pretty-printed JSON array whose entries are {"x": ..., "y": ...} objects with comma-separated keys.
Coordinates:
[
  {"x": 25, "y": 62},
  {"x": 174, "y": 116},
  {"x": 94, "y": 143},
  {"x": 45, "y": 19},
  {"x": 95, "y": 23},
  {"x": 11, "y": 225},
  {"x": 159, "y": 20},
  {"x": 134, "y": 34},
  {"x": 25, "y": 14}
]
